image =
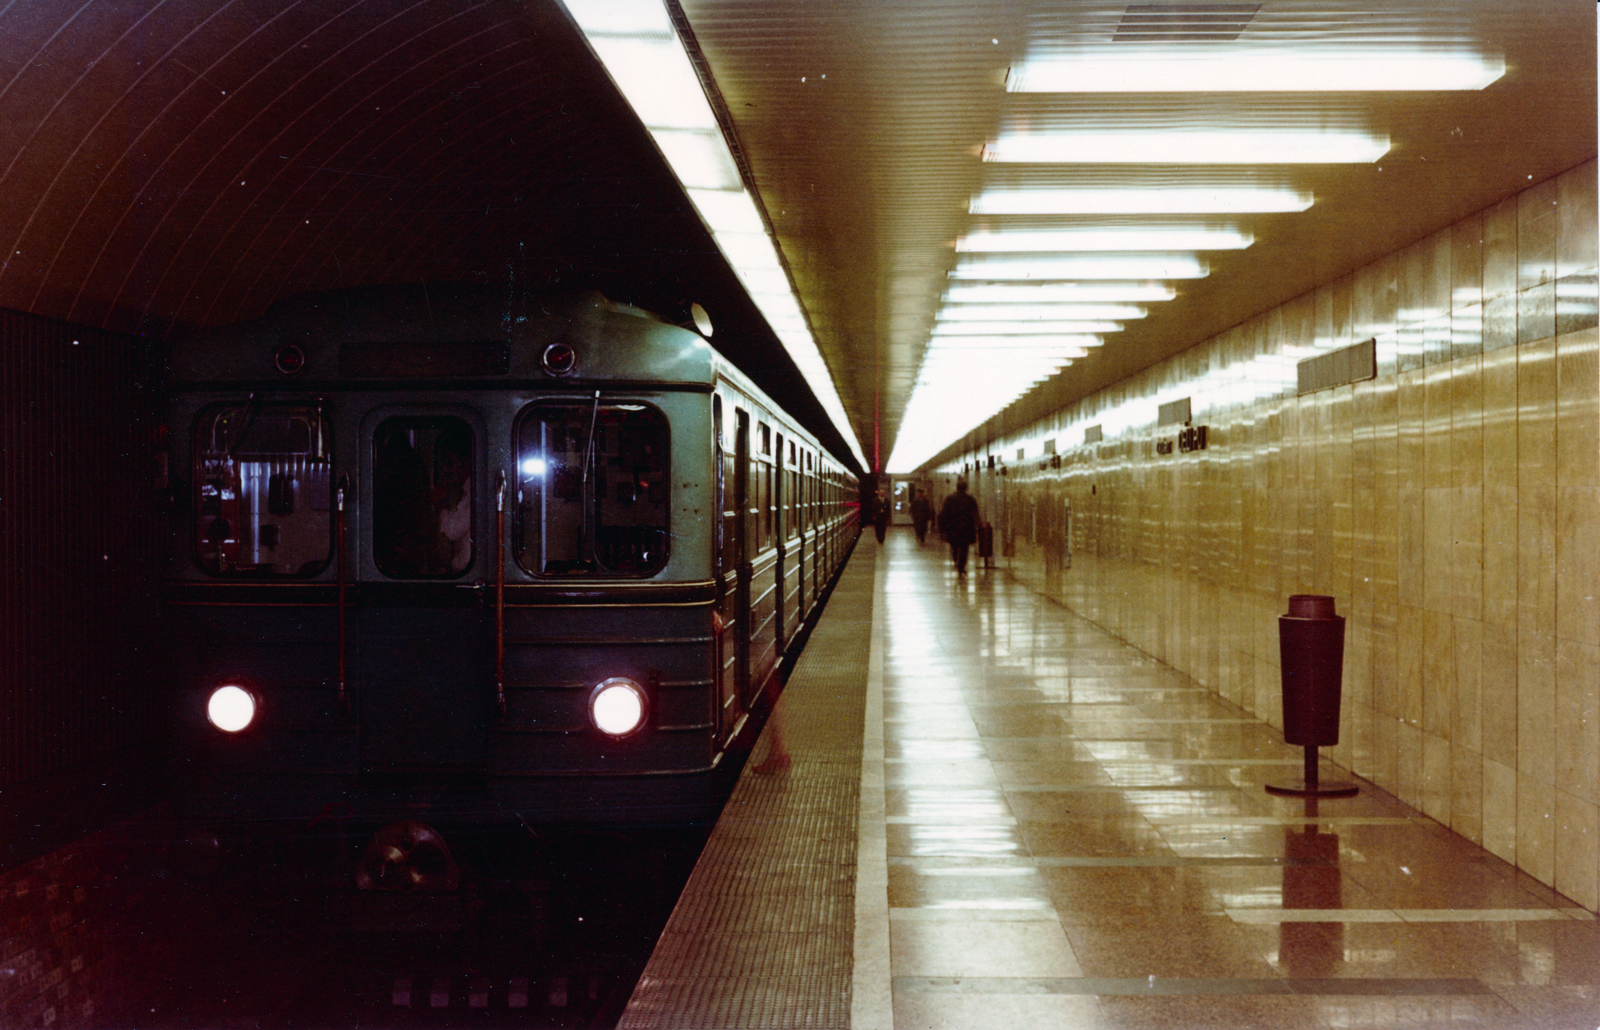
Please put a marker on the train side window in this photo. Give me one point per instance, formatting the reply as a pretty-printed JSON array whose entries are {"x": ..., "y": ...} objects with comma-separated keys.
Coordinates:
[
  {"x": 422, "y": 497},
  {"x": 262, "y": 502},
  {"x": 594, "y": 489}
]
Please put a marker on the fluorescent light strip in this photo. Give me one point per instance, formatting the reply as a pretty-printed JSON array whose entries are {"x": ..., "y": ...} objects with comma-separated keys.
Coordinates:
[
  {"x": 1187, "y": 147},
  {"x": 1057, "y": 293},
  {"x": 1037, "y": 327},
  {"x": 1258, "y": 69},
  {"x": 1037, "y": 312},
  {"x": 1008, "y": 343},
  {"x": 1154, "y": 200},
  {"x": 1086, "y": 266},
  {"x": 1130, "y": 238},
  {"x": 640, "y": 49}
]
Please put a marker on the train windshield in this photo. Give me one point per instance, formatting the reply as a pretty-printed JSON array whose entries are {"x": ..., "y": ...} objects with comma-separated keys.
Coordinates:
[
  {"x": 422, "y": 497},
  {"x": 262, "y": 500},
  {"x": 593, "y": 489}
]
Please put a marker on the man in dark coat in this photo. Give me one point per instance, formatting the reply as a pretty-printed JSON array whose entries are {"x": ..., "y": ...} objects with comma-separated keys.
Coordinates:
[
  {"x": 958, "y": 521},
  {"x": 921, "y": 515}
]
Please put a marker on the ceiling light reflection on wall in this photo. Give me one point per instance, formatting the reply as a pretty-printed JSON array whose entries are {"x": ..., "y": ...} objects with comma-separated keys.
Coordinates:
[
  {"x": 1126, "y": 238},
  {"x": 1155, "y": 200},
  {"x": 1258, "y": 68},
  {"x": 1187, "y": 147}
]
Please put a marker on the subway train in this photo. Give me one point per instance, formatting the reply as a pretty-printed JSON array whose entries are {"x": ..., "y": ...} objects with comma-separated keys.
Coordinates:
[{"x": 458, "y": 548}]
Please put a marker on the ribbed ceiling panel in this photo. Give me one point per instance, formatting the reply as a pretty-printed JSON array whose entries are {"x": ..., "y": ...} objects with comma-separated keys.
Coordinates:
[{"x": 867, "y": 174}]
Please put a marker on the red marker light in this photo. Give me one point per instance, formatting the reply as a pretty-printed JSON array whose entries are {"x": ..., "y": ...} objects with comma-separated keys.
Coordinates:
[
  {"x": 560, "y": 359},
  {"x": 291, "y": 360}
]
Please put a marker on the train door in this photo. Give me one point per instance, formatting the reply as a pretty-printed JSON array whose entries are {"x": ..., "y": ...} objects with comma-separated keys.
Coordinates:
[
  {"x": 727, "y": 570},
  {"x": 424, "y": 634},
  {"x": 778, "y": 499},
  {"x": 739, "y": 625}
]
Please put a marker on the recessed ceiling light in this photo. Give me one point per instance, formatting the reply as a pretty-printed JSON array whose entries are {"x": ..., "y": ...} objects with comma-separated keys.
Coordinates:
[
  {"x": 1187, "y": 147},
  {"x": 1056, "y": 293},
  {"x": 1080, "y": 266},
  {"x": 1154, "y": 200},
  {"x": 1121, "y": 238},
  {"x": 1037, "y": 312},
  {"x": 1024, "y": 328},
  {"x": 1257, "y": 69}
]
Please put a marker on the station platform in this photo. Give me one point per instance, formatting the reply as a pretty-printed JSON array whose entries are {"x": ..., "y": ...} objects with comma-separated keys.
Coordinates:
[{"x": 995, "y": 814}]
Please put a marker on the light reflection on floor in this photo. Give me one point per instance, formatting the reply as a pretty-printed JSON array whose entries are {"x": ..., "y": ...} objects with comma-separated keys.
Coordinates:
[{"x": 1079, "y": 836}]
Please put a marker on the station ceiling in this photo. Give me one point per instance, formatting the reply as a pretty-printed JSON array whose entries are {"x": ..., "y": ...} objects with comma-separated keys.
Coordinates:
[{"x": 180, "y": 164}]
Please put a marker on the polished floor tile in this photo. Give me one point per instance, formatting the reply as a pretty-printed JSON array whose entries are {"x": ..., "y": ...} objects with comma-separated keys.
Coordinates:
[{"x": 1077, "y": 836}]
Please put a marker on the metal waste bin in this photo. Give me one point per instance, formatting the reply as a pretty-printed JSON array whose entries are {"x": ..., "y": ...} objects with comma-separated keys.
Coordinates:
[
  {"x": 985, "y": 542},
  {"x": 1311, "y": 650}
]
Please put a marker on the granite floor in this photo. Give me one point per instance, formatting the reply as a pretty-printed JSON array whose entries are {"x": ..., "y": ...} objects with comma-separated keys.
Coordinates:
[{"x": 1058, "y": 830}]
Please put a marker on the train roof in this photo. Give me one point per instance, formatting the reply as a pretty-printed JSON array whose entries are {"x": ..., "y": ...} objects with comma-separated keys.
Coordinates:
[{"x": 452, "y": 331}]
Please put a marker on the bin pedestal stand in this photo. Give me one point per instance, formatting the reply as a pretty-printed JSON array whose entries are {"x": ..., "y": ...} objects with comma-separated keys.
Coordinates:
[{"x": 1311, "y": 645}]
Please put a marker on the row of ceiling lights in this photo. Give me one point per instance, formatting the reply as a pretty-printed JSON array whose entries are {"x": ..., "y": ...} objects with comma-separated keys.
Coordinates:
[
  {"x": 1046, "y": 297},
  {"x": 1023, "y": 303}
]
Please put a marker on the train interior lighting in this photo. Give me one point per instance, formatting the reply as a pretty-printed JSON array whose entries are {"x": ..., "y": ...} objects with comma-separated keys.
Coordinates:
[
  {"x": 231, "y": 708},
  {"x": 640, "y": 48},
  {"x": 617, "y": 707}
]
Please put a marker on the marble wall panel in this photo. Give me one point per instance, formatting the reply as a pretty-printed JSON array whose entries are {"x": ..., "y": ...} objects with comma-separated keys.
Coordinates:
[{"x": 1451, "y": 506}]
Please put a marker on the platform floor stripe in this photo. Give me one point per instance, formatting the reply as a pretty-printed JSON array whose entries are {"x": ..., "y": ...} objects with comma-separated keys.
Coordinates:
[{"x": 763, "y": 934}]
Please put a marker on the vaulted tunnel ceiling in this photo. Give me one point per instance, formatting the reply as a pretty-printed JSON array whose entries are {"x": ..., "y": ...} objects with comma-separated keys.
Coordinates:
[{"x": 175, "y": 164}]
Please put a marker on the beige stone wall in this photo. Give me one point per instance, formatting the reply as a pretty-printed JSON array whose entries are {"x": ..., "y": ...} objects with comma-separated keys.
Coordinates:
[{"x": 1451, "y": 506}]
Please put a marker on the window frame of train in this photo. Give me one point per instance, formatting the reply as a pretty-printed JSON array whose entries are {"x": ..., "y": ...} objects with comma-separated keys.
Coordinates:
[
  {"x": 599, "y": 416},
  {"x": 298, "y": 495}
]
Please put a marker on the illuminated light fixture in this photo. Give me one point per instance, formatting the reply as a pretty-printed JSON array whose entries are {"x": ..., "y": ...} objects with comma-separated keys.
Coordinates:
[
  {"x": 617, "y": 707},
  {"x": 1034, "y": 343},
  {"x": 1057, "y": 293},
  {"x": 1255, "y": 69},
  {"x": 1188, "y": 147},
  {"x": 532, "y": 468},
  {"x": 1081, "y": 266},
  {"x": 1130, "y": 238},
  {"x": 640, "y": 48},
  {"x": 1023, "y": 327},
  {"x": 231, "y": 708},
  {"x": 1040, "y": 312},
  {"x": 1155, "y": 200}
]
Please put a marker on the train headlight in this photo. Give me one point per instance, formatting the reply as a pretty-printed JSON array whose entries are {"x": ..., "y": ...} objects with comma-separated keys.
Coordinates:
[
  {"x": 231, "y": 708},
  {"x": 617, "y": 707}
]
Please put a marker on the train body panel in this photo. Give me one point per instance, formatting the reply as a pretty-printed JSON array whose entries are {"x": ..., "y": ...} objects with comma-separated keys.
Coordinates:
[{"x": 423, "y": 530}]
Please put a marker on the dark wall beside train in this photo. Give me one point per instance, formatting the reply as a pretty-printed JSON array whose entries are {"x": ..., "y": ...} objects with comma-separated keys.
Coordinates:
[{"x": 79, "y": 712}]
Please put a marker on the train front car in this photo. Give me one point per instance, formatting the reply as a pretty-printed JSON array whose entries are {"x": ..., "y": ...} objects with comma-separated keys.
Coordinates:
[{"x": 443, "y": 548}]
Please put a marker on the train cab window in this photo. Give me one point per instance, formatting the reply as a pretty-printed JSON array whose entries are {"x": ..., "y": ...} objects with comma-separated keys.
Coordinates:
[
  {"x": 262, "y": 498},
  {"x": 422, "y": 501},
  {"x": 594, "y": 486}
]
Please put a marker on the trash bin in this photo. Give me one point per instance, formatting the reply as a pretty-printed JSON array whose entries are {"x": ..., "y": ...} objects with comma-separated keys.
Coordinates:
[
  {"x": 1311, "y": 651},
  {"x": 985, "y": 542}
]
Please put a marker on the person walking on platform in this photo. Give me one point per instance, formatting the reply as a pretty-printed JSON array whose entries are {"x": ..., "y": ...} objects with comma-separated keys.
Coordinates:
[
  {"x": 880, "y": 516},
  {"x": 921, "y": 515},
  {"x": 958, "y": 521}
]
